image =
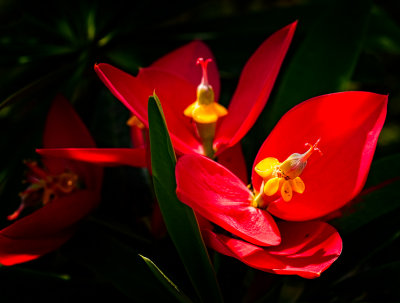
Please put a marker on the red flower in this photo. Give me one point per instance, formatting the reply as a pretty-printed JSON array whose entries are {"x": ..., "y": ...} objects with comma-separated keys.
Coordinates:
[
  {"x": 345, "y": 126},
  {"x": 175, "y": 79},
  {"x": 69, "y": 190}
]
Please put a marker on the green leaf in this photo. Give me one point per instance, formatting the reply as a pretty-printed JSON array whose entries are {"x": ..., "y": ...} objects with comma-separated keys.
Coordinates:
[
  {"x": 180, "y": 219},
  {"x": 380, "y": 197},
  {"x": 168, "y": 284},
  {"x": 325, "y": 60}
]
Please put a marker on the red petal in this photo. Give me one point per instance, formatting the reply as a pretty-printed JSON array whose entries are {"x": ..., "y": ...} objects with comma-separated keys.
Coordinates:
[
  {"x": 307, "y": 249},
  {"x": 63, "y": 129},
  {"x": 45, "y": 229},
  {"x": 14, "y": 251},
  {"x": 130, "y": 90},
  {"x": 102, "y": 156},
  {"x": 233, "y": 159},
  {"x": 219, "y": 196},
  {"x": 182, "y": 62},
  {"x": 175, "y": 95},
  {"x": 348, "y": 124},
  {"x": 255, "y": 85},
  {"x": 54, "y": 217}
]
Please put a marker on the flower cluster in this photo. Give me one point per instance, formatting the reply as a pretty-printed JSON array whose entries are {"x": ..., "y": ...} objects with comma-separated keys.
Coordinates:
[{"x": 313, "y": 162}]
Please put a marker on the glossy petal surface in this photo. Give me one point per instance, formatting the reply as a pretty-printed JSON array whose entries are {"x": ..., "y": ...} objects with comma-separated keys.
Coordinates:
[
  {"x": 348, "y": 124},
  {"x": 255, "y": 85},
  {"x": 307, "y": 249},
  {"x": 221, "y": 197},
  {"x": 175, "y": 94}
]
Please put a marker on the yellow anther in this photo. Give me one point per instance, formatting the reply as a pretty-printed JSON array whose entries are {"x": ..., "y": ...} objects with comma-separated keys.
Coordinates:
[
  {"x": 286, "y": 191},
  {"x": 205, "y": 112},
  {"x": 297, "y": 185},
  {"x": 272, "y": 186},
  {"x": 205, "y": 109},
  {"x": 284, "y": 177},
  {"x": 266, "y": 167},
  {"x": 134, "y": 121}
]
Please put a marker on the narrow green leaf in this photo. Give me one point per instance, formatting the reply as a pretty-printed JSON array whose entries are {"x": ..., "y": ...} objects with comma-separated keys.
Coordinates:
[
  {"x": 380, "y": 197},
  {"x": 325, "y": 59},
  {"x": 180, "y": 220},
  {"x": 120, "y": 265},
  {"x": 168, "y": 284}
]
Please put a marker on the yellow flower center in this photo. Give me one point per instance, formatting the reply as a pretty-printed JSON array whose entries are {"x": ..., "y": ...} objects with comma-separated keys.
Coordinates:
[
  {"x": 44, "y": 188},
  {"x": 205, "y": 112},
  {"x": 283, "y": 177}
]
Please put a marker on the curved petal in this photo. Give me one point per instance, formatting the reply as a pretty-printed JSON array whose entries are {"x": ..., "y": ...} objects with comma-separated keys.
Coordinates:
[
  {"x": 255, "y": 85},
  {"x": 307, "y": 249},
  {"x": 54, "y": 217},
  {"x": 175, "y": 95},
  {"x": 182, "y": 62},
  {"x": 126, "y": 88},
  {"x": 102, "y": 156},
  {"x": 348, "y": 125},
  {"x": 233, "y": 159},
  {"x": 174, "y": 92},
  {"x": 15, "y": 251},
  {"x": 64, "y": 129},
  {"x": 219, "y": 196}
]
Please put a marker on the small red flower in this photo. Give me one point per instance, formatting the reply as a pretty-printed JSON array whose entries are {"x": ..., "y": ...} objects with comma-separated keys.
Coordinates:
[
  {"x": 67, "y": 191},
  {"x": 289, "y": 185}
]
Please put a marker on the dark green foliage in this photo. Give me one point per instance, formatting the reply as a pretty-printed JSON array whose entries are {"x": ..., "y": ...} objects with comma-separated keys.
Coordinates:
[{"x": 48, "y": 48}]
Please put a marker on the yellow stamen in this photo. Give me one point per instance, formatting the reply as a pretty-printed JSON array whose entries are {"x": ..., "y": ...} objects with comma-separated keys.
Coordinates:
[
  {"x": 205, "y": 112},
  {"x": 134, "y": 121},
  {"x": 284, "y": 177},
  {"x": 286, "y": 191},
  {"x": 272, "y": 186},
  {"x": 266, "y": 167}
]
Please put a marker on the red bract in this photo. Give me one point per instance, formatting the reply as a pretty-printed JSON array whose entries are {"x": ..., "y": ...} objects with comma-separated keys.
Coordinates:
[
  {"x": 50, "y": 226},
  {"x": 348, "y": 125},
  {"x": 307, "y": 248},
  {"x": 175, "y": 78}
]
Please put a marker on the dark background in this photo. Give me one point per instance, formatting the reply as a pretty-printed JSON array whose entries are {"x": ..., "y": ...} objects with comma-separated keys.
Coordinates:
[{"x": 51, "y": 47}]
